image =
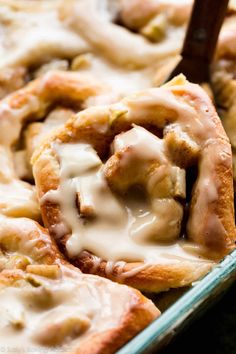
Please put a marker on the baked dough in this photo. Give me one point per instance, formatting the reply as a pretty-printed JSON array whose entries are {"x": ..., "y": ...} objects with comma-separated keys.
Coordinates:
[
  {"x": 192, "y": 135},
  {"x": 223, "y": 80},
  {"x": 33, "y": 135}
]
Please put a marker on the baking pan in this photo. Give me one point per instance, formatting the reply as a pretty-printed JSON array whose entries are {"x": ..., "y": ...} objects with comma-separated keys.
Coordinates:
[{"x": 189, "y": 306}]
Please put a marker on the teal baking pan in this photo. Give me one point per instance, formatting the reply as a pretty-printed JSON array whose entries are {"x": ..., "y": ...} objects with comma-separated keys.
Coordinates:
[{"x": 190, "y": 305}]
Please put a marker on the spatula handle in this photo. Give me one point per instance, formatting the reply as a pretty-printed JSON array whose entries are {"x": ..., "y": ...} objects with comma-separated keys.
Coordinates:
[{"x": 203, "y": 30}]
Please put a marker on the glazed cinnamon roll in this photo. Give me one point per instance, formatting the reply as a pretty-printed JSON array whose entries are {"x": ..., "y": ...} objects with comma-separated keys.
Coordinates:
[
  {"x": 115, "y": 193},
  {"x": 38, "y": 36},
  {"x": 37, "y": 285},
  {"x": 135, "y": 189}
]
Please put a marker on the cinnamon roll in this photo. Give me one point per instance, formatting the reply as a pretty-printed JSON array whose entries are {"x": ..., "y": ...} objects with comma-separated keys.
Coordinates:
[
  {"x": 114, "y": 190},
  {"x": 38, "y": 36},
  {"x": 49, "y": 305}
]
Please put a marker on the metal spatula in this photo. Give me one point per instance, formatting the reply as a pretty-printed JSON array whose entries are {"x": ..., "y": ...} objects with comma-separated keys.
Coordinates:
[{"x": 200, "y": 41}]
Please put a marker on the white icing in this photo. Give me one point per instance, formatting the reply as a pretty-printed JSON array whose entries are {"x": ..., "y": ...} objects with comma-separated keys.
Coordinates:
[
  {"x": 112, "y": 232},
  {"x": 145, "y": 145}
]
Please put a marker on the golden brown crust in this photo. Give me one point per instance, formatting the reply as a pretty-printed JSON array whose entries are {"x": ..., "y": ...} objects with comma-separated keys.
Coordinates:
[
  {"x": 223, "y": 80},
  {"x": 224, "y": 208},
  {"x": 152, "y": 278},
  {"x": 219, "y": 241}
]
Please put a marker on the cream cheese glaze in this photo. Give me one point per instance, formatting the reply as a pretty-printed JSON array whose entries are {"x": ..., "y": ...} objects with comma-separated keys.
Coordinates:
[{"x": 132, "y": 224}]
